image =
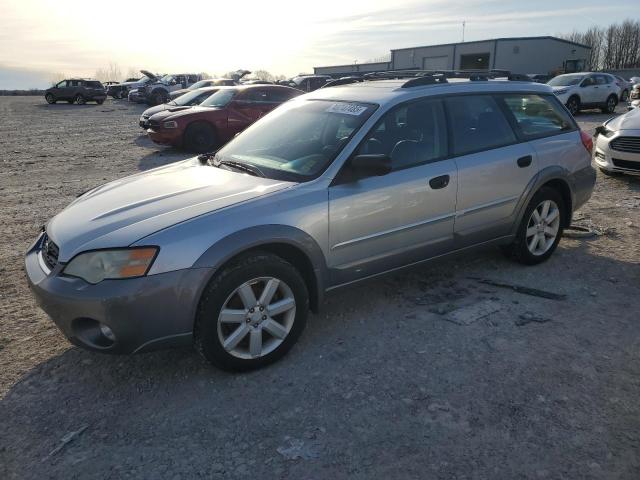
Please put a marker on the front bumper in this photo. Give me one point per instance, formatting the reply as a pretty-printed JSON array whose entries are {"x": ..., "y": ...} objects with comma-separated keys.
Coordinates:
[
  {"x": 612, "y": 160},
  {"x": 171, "y": 136},
  {"x": 143, "y": 314}
]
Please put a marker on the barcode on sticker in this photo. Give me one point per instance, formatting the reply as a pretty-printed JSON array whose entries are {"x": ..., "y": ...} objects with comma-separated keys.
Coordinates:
[{"x": 347, "y": 108}]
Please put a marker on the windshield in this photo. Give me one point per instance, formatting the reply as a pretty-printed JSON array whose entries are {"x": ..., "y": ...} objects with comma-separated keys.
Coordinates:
[
  {"x": 298, "y": 140},
  {"x": 192, "y": 98},
  {"x": 565, "y": 80},
  {"x": 200, "y": 84},
  {"x": 219, "y": 99}
]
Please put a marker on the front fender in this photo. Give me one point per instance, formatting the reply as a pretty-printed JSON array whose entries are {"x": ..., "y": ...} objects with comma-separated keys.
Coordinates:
[{"x": 268, "y": 236}]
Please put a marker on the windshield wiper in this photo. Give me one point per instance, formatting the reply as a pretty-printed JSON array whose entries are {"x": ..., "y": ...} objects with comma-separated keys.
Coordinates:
[{"x": 243, "y": 167}]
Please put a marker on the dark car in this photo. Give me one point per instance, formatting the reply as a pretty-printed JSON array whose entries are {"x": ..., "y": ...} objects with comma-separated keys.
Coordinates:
[
  {"x": 210, "y": 82},
  {"x": 189, "y": 99},
  {"x": 219, "y": 118},
  {"x": 309, "y": 83},
  {"x": 76, "y": 90}
]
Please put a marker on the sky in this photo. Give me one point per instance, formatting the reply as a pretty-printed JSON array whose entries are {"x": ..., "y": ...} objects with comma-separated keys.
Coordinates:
[{"x": 42, "y": 39}]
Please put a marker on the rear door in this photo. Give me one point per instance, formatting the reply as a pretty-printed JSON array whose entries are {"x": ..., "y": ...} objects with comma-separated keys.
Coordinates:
[
  {"x": 247, "y": 106},
  {"x": 383, "y": 222},
  {"x": 494, "y": 167},
  {"x": 606, "y": 87}
]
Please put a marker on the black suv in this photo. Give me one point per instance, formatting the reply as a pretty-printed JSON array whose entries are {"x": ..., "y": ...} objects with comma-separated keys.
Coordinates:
[{"x": 76, "y": 90}]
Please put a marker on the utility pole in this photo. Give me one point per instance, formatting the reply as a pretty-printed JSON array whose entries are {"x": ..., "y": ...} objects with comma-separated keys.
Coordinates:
[{"x": 464, "y": 23}]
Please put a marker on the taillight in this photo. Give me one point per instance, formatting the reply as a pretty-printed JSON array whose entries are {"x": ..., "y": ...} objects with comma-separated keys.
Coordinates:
[{"x": 587, "y": 141}]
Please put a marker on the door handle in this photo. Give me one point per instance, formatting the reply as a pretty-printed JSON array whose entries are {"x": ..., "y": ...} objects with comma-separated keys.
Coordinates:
[
  {"x": 439, "y": 182},
  {"x": 525, "y": 161}
]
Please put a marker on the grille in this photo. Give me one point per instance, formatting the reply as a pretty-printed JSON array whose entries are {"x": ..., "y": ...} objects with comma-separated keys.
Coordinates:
[
  {"x": 50, "y": 252},
  {"x": 626, "y": 144},
  {"x": 628, "y": 164}
]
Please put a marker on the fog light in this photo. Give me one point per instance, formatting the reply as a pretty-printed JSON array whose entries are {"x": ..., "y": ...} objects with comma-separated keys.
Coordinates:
[
  {"x": 600, "y": 155},
  {"x": 107, "y": 332}
]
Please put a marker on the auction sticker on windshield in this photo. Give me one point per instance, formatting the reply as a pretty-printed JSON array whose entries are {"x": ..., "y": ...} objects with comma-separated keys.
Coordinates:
[{"x": 348, "y": 108}]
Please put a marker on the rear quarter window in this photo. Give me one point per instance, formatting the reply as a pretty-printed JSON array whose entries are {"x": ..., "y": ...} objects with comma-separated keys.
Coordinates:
[{"x": 537, "y": 115}]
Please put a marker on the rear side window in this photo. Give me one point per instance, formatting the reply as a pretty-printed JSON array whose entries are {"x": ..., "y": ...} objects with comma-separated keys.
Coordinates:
[
  {"x": 477, "y": 123},
  {"x": 537, "y": 115},
  {"x": 94, "y": 85}
]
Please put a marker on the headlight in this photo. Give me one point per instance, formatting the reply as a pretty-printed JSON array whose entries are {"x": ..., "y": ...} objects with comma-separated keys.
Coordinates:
[
  {"x": 111, "y": 264},
  {"x": 171, "y": 124},
  {"x": 561, "y": 92}
]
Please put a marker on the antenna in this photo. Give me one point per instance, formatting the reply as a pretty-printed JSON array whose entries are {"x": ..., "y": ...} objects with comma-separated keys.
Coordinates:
[{"x": 464, "y": 24}]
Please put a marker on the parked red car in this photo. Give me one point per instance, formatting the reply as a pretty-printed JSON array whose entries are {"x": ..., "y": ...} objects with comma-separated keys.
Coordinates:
[{"x": 219, "y": 118}]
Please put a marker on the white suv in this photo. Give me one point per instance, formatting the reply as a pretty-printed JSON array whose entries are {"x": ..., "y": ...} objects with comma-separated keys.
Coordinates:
[{"x": 587, "y": 90}]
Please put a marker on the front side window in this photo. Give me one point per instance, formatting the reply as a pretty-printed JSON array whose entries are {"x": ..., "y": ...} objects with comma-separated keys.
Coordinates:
[
  {"x": 588, "y": 82},
  {"x": 62, "y": 84},
  {"x": 298, "y": 140},
  {"x": 410, "y": 135},
  {"x": 477, "y": 123},
  {"x": 566, "y": 80},
  {"x": 194, "y": 97},
  {"x": 537, "y": 115}
]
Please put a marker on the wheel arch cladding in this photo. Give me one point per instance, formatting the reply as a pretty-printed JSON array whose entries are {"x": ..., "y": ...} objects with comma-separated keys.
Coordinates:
[
  {"x": 562, "y": 187},
  {"x": 289, "y": 243}
]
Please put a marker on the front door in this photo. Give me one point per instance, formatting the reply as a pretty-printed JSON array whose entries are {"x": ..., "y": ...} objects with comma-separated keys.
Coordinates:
[
  {"x": 493, "y": 168},
  {"x": 589, "y": 91},
  {"x": 384, "y": 222}
]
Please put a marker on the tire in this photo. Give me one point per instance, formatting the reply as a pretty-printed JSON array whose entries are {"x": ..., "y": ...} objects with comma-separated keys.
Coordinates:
[
  {"x": 573, "y": 104},
  {"x": 159, "y": 97},
  {"x": 50, "y": 98},
  {"x": 520, "y": 249},
  {"x": 200, "y": 138},
  {"x": 99, "y": 102},
  {"x": 70, "y": 102},
  {"x": 610, "y": 106},
  {"x": 228, "y": 344},
  {"x": 80, "y": 100},
  {"x": 624, "y": 96}
]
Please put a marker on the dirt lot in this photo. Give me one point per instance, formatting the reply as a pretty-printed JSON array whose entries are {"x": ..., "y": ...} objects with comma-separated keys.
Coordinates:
[{"x": 427, "y": 374}]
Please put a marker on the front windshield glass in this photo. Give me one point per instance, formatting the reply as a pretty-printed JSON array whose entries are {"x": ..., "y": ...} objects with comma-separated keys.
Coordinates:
[
  {"x": 189, "y": 97},
  {"x": 565, "y": 80},
  {"x": 219, "y": 99},
  {"x": 298, "y": 140},
  {"x": 200, "y": 84}
]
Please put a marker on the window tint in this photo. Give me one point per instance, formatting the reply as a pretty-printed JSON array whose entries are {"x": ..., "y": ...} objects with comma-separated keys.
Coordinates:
[
  {"x": 537, "y": 115},
  {"x": 279, "y": 95},
  {"x": 94, "y": 84},
  {"x": 477, "y": 124},
  {"x": 411, "y": 134},
  {"x": 76, "y": 83},
  {"x": 587, "y": 82},
  {"x": 602, "y": 79},
  {"x": 253, "y": 95}
]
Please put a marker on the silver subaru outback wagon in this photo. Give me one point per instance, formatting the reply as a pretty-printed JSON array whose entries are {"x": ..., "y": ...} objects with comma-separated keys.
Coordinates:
[{"x": 229, "y": 251}]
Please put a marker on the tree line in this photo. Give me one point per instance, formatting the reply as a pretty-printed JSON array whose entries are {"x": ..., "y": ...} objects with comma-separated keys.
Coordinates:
[{"x": 614, "y": 47}]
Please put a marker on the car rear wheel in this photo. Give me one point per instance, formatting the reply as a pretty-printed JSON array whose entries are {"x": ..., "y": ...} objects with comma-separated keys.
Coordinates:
[
  {"x": 611, "y": 104},
  {"x": 573, "y": 104},
  {"x": 200, "y": 138},
  {"x": 540, "y": 229},
  {"x": 50, "y": 98},
  {"x": 251, "y": 313},
  {"x": 80, "y": 100},
  {"x": 99, "y": 102}
]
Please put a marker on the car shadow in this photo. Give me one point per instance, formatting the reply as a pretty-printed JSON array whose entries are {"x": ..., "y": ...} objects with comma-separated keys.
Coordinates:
[
  {"x": 377, "y": 366},
  {"x": 159, "y": 155}
]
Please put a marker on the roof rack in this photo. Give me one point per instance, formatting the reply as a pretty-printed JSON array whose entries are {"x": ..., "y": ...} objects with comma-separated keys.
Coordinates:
[{"x": 434, "y": 77}]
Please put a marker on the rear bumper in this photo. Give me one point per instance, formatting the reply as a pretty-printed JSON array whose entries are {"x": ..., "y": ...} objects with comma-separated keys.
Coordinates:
[
  {"x": 583, "y": 181},
  {"x": 170, "y": 137},
  {"x": 146, "y": 313}
]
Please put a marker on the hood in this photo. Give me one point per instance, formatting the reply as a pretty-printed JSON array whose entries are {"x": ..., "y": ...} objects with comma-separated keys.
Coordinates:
[
  {"x": 628, "y": 121},
  {"x": 558, "y": 88},
  {"x": 121, "y": 212},
  {"x": 152, "y": 76}
]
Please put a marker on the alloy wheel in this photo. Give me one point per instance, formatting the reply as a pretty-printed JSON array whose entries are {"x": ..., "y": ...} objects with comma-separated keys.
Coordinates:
[
  {"x": 611, "y": 105},
  {"x": 543, "y": 227},
  {"x": 256, "y": 318},
  {"x": 572, "y": 105}
]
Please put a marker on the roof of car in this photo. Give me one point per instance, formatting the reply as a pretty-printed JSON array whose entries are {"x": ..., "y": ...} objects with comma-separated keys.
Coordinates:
[{"x": 392, "y": 91}]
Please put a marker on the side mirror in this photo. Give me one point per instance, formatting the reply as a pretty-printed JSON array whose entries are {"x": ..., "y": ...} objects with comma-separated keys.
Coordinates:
[{"x": 371, "y": 165}]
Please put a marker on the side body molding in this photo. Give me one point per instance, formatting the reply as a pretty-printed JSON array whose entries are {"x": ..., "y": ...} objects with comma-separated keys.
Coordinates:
[{"x": 268, "y": 236}]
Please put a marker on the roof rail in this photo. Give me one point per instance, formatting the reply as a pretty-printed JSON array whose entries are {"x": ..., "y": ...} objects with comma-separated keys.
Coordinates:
[{"x": 431, "y": 77}]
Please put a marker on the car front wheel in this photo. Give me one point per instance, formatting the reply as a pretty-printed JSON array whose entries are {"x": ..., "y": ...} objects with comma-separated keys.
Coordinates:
[
  {"x": 80, "y": 100},
  {"x": 540, "y": 229},
  {"x": 200, "y": 138},
  {"x": 50, "y": 98},
  {"x": 251, "y": 313}
]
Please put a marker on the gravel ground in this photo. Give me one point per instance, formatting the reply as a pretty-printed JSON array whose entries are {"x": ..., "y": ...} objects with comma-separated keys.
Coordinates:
[{"x": 426, "y": 374}]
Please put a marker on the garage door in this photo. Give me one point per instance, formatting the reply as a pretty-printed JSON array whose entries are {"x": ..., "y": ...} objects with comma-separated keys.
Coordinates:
[{"x": 436, "y": 63}]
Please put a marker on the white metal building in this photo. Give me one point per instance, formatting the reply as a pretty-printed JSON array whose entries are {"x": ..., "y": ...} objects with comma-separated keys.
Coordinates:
[{"x": 545, "y": 55}]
